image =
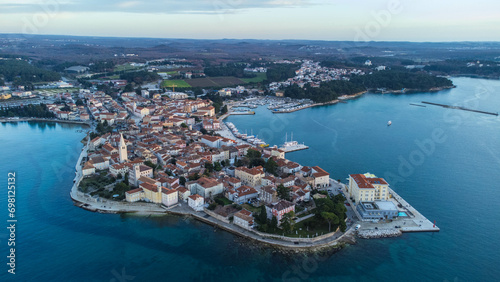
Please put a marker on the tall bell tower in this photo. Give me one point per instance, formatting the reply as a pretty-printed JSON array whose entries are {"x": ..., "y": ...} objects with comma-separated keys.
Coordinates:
[{"x": 123, "y": 150}]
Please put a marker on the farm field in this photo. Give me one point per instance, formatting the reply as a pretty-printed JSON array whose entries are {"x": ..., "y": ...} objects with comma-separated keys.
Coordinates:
[
  {"x": 175, "y": 83},
  {"x": 206, "y": 82},
  {"x": 261, "y": 76}
]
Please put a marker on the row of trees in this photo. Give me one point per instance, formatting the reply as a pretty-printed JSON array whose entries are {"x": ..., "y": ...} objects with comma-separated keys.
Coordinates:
[
  {"x": 140, "y": 77},
  {"x": 38, "y": 111}
]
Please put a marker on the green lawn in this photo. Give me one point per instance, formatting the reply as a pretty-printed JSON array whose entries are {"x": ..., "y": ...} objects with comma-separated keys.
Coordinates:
[
  {"x": 57, "y": 90},
  {"x": 321, "y": 229},
  {"x": 177, "y": 82},
  {"x": 226, "y": 201},
  {"x": 116, "y": 76},
  {"x": 124, "y": 67},
  {"x": 296, "y": 233},
  {"x": 261, "y": 76},
  {"x": 250, "y": 208}
]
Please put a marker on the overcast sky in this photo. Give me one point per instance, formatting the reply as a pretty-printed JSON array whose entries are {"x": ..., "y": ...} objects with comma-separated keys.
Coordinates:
[{"x": 378, "y": 20}]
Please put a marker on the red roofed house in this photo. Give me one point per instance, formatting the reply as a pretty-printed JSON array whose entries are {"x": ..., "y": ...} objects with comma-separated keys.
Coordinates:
[
  {"x": 321, "y": 177},
  {"x": 250, "y": 176},
  {"x": 368, "y": 188},
  {"x": 212, "y": 141},
  {"x": 242, "y": 194},
  {"x": 244, "y": 219},
  {"x": 196, "y": 202},
  {"x": 206, "y": 187},
  {"x": 169, "y": 197},
  {"x": 279, "y": 209}
]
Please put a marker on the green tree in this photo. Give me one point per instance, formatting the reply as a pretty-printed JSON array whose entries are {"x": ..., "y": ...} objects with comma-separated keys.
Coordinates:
[
  {"x": 195, "y": 176},
  {"x": 283, "y": 192},
  {"x": 271, "y": 167},
  {"x": 274, "y": 223},
  {"x": 253, "y": 154},
  {"x": 257, "y": 162},
  {"x": 330, "y": 217},
  {"x": 79, "y": 102},
  {"x": 217, "y": 166},
  {"x": 224, "y": 109},
  {"x": 343, "y": 226},
  {"x": 183, "y": 125},
  {"x": 209, "y": 167},
  {"x": 262, "y": 217},
  {"x": 128, "y": 88},
  {"x": 182, "y": 180},
  {"x": 287, "y": 222}
]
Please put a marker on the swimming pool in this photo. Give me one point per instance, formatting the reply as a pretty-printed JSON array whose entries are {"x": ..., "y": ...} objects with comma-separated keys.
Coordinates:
[{"x": 402, "y": 214}]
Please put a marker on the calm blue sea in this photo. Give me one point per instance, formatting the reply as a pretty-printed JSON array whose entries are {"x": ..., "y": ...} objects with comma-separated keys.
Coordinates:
[{"x": 445, "y": 162}]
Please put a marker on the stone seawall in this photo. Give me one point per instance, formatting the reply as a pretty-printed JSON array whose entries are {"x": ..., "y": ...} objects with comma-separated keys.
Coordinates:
[{"x": 381, "y": 233}]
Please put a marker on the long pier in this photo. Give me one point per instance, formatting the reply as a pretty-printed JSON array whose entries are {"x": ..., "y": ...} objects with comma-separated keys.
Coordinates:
[{"x": 460, "y": 108}]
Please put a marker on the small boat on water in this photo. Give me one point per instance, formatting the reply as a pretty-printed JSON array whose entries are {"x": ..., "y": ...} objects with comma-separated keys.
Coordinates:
[{"x": 389, "y": 123}]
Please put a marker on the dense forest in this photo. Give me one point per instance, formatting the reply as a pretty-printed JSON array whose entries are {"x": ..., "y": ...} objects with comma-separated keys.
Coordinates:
[
  {"x": 140, "y": 76},
  {"x": 39, "y": 111},
  {"x": 390, "y": 80},
  {"x": 281, "y": 72},
  {"x": 454, "y": 67},
  {"x": 102, "y": 66},
  {"x": 21, "y": 72},
  {"x": 327, "y": 91},
  {"x": 397, "y": 80}
]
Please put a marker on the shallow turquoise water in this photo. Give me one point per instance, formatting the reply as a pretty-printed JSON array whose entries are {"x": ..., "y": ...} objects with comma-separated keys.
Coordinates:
[{"x": 454, "y": 184}]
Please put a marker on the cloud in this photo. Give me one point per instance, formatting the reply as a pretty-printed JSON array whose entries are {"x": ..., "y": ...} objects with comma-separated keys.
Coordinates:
[
  {"x": 128, "y": 4},
  {"x": 147, "y": 6}
]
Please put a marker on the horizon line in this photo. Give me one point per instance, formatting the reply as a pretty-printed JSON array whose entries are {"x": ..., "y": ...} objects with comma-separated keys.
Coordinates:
[{"x": 255, "y": 39}]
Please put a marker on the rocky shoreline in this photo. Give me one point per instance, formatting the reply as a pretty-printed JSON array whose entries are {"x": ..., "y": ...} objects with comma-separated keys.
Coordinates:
[{"x": 379, "y": 233}]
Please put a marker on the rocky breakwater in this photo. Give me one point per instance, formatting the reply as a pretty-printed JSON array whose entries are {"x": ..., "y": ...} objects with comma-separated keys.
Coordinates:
[{"x": 379, "y": 233}]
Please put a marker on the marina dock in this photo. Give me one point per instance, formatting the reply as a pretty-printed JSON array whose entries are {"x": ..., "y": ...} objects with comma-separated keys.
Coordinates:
[
  {"x": 242, "y": 113},
  {"x": 293, "y": 148}
]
